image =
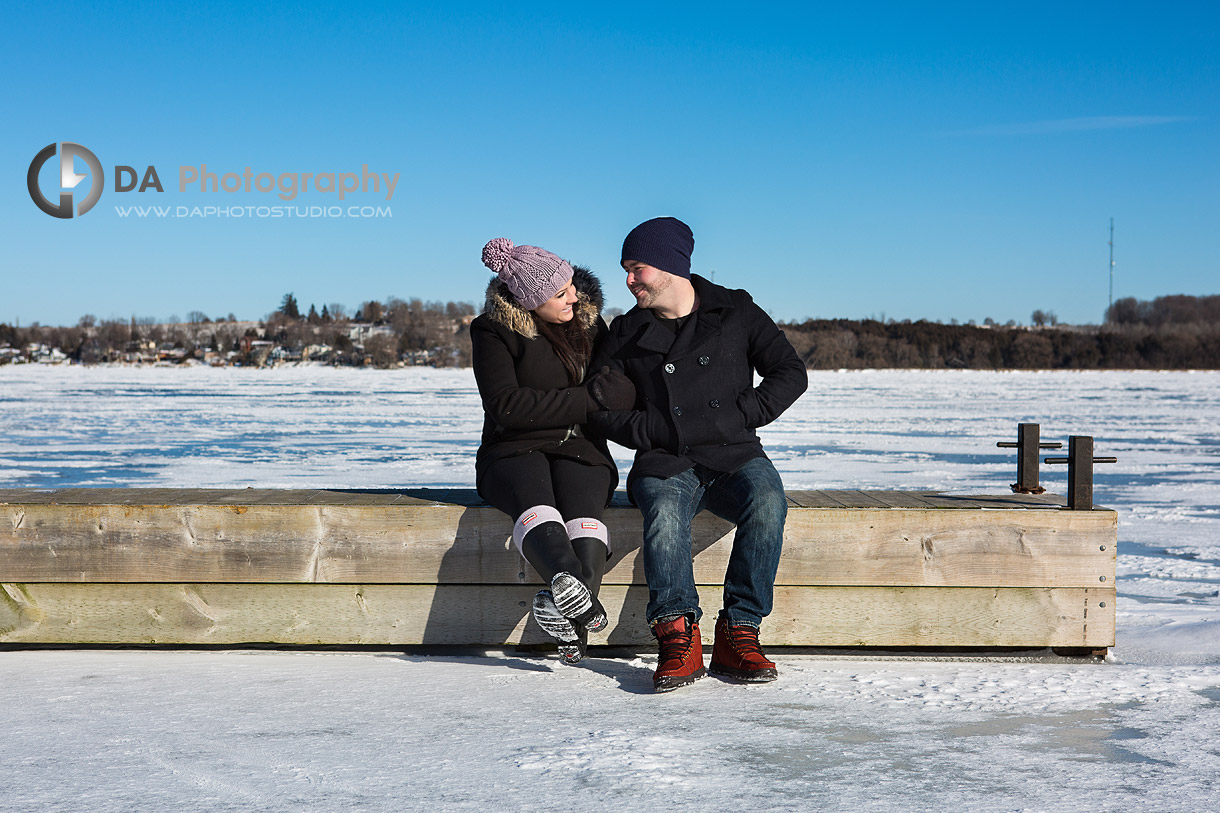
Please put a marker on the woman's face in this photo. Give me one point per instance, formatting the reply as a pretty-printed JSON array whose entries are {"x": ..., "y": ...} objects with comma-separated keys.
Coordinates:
[{"x": 558, "y": 309}]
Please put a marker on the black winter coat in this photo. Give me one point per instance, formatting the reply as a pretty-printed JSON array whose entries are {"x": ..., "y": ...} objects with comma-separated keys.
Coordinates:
[
  {"x": 695, "y": 396},
  {"x": 528, "y": 403}
]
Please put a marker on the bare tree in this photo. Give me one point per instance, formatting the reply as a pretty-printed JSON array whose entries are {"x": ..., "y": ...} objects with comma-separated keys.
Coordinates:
[{"x": 382, "y": 350}]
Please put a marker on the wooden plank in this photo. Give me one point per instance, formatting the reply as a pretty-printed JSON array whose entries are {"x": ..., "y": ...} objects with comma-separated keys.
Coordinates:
[
  {"x": 27, "y": 496},
  {"x": 1018, "y": 501},
  {"x": 79, "y": 496},
  {"x": 207, "y": 496},
  {"x": 938, "y": 499},
  {"x": 456, "y": 496},
  {"x": 813, "y": 499},
  {"x": 950, "y": 501},
  {"x": 918, "y": 547},
  {"x": 271, "y": 496},
  {"x": 432, "y": 544},
  {"x": 144, "y": 496},
  {"x": 864, "y": 499},
  {"x": 1054, "y": 500},
  {"x": 620, "y": 500},
  {"x": 859, "y": 499},
  {"x": 940, "y": 617},
  {"x": 468, "y": 497},
  {"x": 900, "y": 499},
  {"x": 413, "y": 500},
  {"x": 497, "y": 615}
]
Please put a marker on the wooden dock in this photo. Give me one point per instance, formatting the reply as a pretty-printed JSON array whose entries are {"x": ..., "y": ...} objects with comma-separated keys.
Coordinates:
[{"x": 437, "y": 566}]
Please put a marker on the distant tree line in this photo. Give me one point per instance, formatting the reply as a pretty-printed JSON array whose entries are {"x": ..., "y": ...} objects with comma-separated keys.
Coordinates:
[
  {"x": 1166, "y": 310},
  {"x": 93, "y": 341},
  {"x": 396, "y": 330},
  {"x": 1174, "y": 333},
  {"x": 379, "y": 334}
]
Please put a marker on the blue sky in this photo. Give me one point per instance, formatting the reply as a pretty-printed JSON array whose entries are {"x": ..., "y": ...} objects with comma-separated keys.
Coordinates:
[{"x": 876, "y": 160}]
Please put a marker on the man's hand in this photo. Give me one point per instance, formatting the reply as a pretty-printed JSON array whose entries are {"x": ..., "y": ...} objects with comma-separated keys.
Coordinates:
[{"x": 611, "y": 390}]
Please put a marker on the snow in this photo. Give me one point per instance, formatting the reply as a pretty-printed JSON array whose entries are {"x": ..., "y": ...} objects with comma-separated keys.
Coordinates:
[{"x": 133, "y": 730}]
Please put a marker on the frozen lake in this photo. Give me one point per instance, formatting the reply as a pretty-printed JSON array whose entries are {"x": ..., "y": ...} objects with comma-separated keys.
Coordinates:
[{"x": 135, "y": 730}]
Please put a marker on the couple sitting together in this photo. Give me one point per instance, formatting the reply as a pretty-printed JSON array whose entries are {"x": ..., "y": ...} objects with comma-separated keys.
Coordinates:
[{"x": 672, "y": 378}]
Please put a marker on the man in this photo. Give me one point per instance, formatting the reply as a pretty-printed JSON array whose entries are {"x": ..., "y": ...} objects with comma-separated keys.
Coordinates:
[{"x": 691, "y": 349}]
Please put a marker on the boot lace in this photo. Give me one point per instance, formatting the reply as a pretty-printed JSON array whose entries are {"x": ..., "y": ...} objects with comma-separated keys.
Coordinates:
[
  {"x": 745, "y": 641},
  {"x": 675, "y": 645}
]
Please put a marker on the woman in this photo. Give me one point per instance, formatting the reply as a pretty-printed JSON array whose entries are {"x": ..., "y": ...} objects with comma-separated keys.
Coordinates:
[{"x": 531, "y": 347}]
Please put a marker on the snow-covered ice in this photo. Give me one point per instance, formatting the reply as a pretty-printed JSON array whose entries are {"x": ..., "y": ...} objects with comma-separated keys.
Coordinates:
[{"x": 122, "y": 730}]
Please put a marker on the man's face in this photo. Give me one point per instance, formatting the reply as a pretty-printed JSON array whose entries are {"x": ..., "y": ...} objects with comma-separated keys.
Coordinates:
[{"x": 646, "y": 283}]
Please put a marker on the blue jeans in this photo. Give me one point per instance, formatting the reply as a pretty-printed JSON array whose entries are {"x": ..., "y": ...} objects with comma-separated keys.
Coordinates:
[{"x": 751, "y": 497}]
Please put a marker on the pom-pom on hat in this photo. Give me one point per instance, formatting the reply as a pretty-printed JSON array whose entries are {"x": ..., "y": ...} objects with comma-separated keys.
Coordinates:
[
  {"x": 663, "y": 242},
  {"x": 533, "y": 275}
]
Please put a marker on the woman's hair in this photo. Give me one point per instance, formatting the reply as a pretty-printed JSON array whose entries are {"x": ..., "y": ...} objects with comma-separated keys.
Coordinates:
[{"x": 573, "y": 344}]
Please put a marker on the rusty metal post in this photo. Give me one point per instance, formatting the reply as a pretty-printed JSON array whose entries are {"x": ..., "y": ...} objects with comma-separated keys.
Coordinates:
[
  {"x": 1080, "y": 472},
  {"x": 1027, "y": 446},
  {"x": 1080, "y": 462}
]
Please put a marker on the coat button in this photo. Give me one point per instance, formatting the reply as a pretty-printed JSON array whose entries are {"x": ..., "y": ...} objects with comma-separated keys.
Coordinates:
[
  {"x": 669, "y": 368},
  {"x": 714, "y": 404},
  {"x": 705, "y": 360},
  {"x": 677, "y": 410}
]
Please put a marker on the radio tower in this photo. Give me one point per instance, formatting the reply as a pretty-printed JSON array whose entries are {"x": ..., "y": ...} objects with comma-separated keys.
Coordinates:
[{"x": 1111, "y": 310}]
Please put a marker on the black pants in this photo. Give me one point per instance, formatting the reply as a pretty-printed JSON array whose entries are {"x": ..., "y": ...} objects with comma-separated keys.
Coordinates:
[{"x": 514, "y": 484}]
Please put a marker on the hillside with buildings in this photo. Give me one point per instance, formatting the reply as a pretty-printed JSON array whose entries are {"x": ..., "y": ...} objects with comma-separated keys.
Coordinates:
[{"x": 1175, "y": 332}]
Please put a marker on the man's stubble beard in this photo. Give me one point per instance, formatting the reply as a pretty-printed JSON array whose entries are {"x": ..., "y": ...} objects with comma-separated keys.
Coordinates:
[{"x": 652, "y": 293}]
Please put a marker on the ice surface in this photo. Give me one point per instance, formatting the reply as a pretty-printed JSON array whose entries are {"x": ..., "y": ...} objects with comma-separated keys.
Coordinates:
[
  {"x": 122, "y": 731},
  {"x": 135, "y": 730}
]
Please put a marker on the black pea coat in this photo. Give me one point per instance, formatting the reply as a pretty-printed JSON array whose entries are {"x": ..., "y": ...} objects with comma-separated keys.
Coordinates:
[
  {"x": 695, "y": 396},
  {"x": 528, "y": 403}
]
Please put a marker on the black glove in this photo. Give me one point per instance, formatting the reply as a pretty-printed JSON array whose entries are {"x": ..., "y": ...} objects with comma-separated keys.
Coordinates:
[{"x": 611, "y": 390}]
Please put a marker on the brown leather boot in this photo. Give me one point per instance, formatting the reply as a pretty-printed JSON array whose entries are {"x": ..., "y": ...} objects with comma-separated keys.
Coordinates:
[
  {"x": 681, "y": 660},
  {"x": 737, "y": 654}
]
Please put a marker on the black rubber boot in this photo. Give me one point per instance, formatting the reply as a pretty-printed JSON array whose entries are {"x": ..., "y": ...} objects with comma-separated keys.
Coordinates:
[
  {"x": 554, "y": 624},
  {"x": 549, "y": 551},
  {"x": 577, "y": 603},
  {"x": 593, "y": 555}
]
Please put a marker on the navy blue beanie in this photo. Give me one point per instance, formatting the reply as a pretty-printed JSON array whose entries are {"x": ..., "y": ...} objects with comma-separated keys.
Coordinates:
[{"x": 663, "y": 242}]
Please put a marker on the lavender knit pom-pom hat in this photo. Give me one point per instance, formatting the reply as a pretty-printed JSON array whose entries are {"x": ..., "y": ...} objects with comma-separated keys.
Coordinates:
[{"x": 533, "y": 275}]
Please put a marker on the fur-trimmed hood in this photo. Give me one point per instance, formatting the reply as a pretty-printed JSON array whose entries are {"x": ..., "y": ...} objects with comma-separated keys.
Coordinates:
[{"x": 501, "y": 308}]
